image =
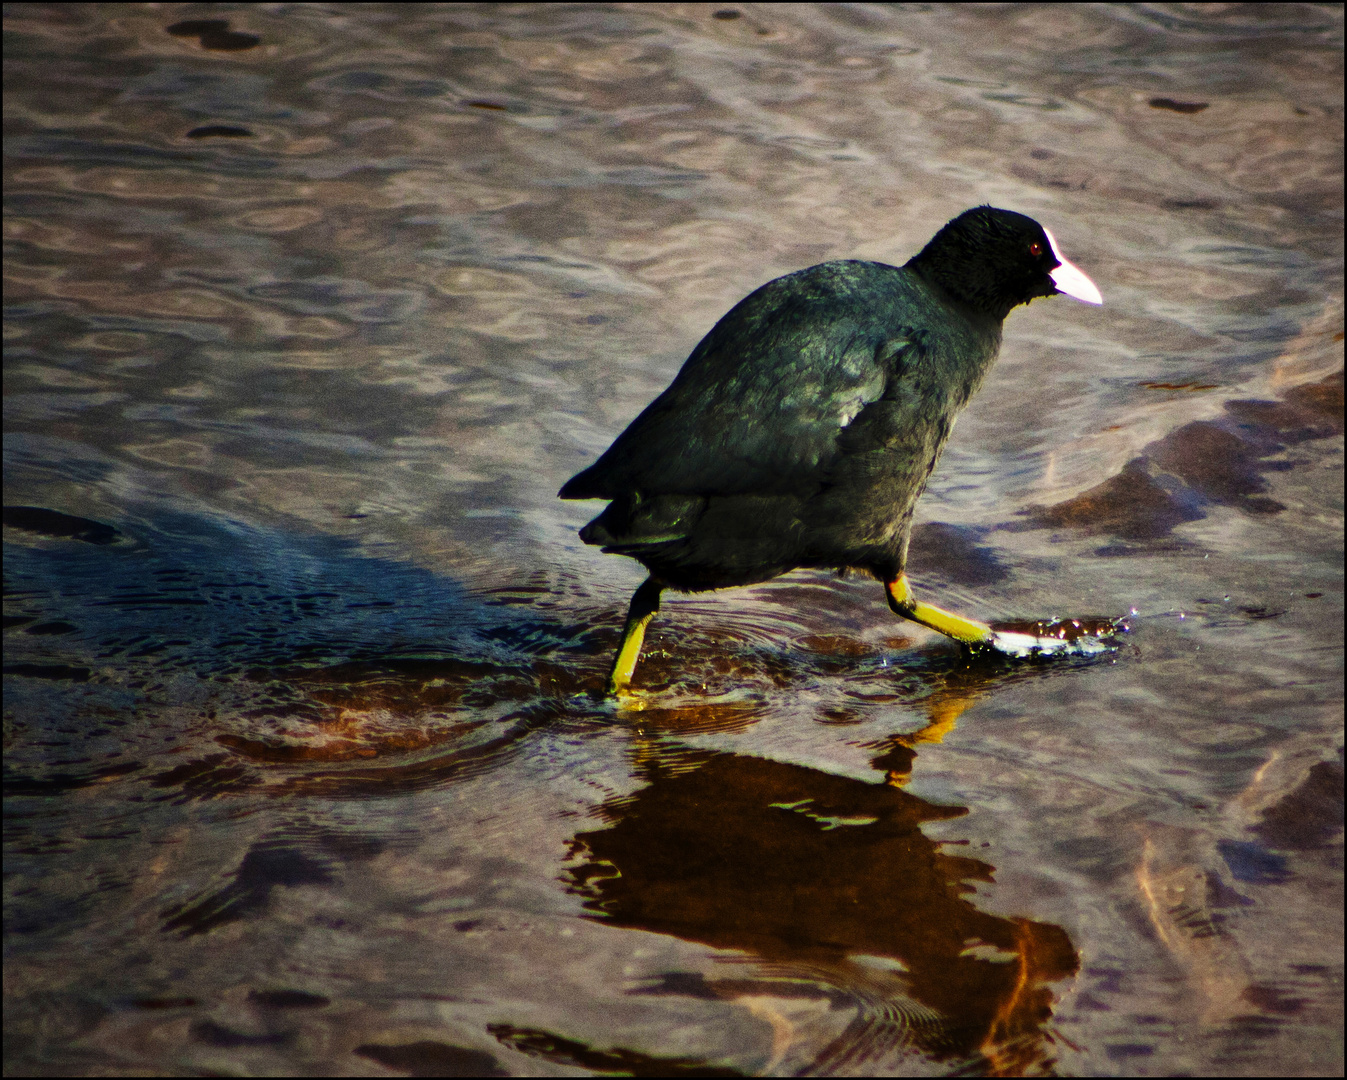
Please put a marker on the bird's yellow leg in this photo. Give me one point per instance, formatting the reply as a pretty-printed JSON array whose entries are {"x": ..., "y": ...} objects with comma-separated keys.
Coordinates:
[
  {"x": 644, "y": 605},
  {"x": 969, "y": 631}
]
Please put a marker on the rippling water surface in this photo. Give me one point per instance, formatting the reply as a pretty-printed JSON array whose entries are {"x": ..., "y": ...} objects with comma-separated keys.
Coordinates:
[{"x": 311, "y": 310}]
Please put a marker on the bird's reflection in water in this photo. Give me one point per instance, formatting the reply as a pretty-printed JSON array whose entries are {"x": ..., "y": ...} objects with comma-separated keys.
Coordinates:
[{"x": 830, "y": 887}]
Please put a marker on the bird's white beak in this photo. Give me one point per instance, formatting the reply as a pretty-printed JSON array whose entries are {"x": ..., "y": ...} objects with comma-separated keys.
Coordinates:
[{"x": 1070, "y": 279}]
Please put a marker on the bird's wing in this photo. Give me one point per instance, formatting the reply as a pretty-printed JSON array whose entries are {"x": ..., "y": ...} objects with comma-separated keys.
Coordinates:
[{"x": 760, "y": 403}]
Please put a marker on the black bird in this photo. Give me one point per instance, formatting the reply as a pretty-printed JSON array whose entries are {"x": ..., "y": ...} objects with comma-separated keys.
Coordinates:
[{"x": 803, "y": 428}]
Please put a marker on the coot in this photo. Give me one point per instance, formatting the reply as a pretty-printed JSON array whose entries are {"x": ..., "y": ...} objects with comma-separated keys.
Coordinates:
[{"x": 803, "y": 428}]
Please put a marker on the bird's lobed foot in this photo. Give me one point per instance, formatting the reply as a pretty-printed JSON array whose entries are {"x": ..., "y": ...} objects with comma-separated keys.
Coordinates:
[
  {"x": 1047, "y": 637},
  {"x": 627, "y": 698}
]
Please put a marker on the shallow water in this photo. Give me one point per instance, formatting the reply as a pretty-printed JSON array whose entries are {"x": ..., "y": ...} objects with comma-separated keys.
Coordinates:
[{"x": 310, "y": 313}]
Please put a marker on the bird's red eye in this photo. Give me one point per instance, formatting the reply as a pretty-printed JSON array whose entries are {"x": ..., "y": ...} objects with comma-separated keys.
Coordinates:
[{"x": 1035, "y": 249}]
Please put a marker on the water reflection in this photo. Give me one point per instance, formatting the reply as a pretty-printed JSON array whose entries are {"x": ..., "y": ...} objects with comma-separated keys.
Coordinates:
[{"x": 830, "y": 883}]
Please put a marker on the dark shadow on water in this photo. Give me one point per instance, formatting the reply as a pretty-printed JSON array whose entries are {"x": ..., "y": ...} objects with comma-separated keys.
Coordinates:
[
  {"x": 215, "y": 597},
  {"x": 256, "y": 658}
]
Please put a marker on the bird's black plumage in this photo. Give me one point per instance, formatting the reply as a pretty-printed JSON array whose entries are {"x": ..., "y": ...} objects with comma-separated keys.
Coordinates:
[{"x": 804, "y": 426}]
